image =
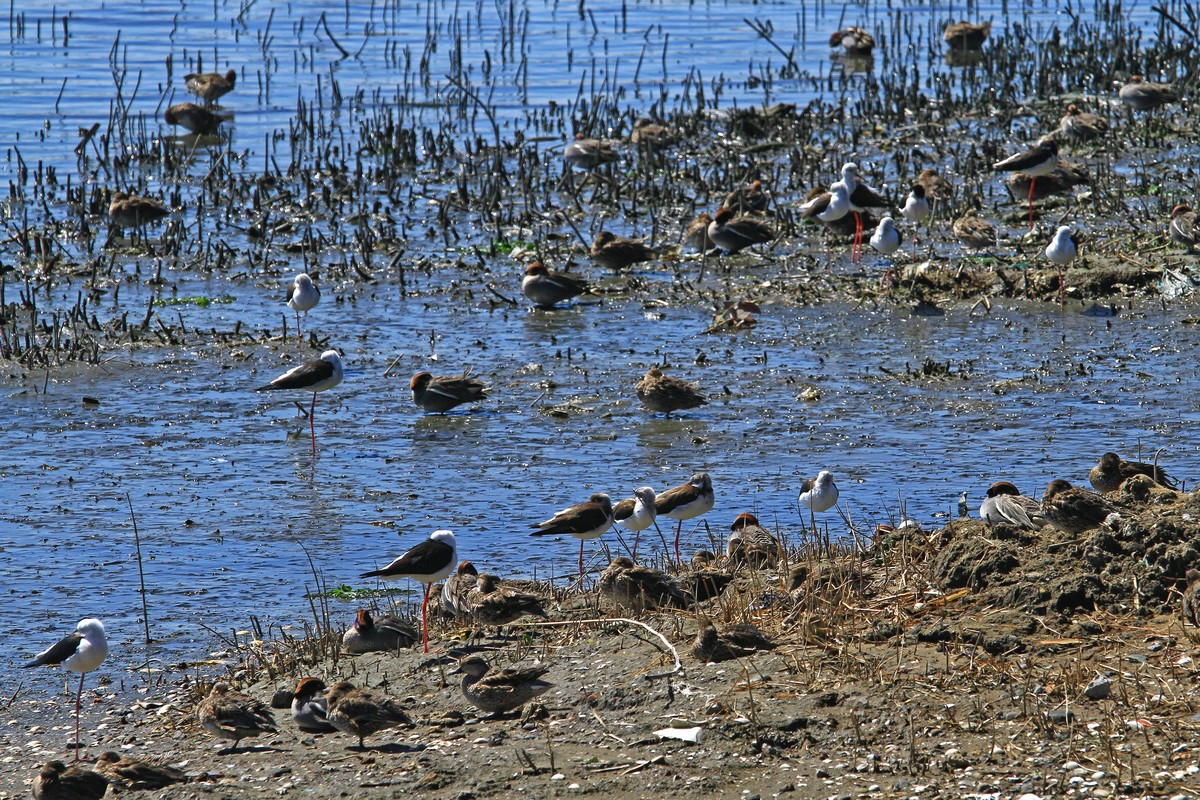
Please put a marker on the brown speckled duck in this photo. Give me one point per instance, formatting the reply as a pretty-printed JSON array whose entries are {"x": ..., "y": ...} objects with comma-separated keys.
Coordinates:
[
  {"x": 362, "y": 712},
  {"x": 196, "y": 119},
  {"x": 490, "y": 603},
  {"x": 639, "y": 588},
  {"x": 663, "y": 394},
  {"x": 57, "y": 781},
  {"x": 619, "y": 252},
  {"x": 498, "y": 692},
  {"x": 209, "y": 86},
  {"x": 1073, "y": 510},
  {"x": 734, "y": 641},
  {"x": 1112, "y": 471},
  {"x": 438, "y": 394},
  {"x": 229, "y": 714},
  {"x": 134, "y": 774}
]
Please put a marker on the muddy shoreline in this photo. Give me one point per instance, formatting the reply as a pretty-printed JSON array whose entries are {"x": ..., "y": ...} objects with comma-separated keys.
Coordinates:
[{"x": 954, "y": 662}]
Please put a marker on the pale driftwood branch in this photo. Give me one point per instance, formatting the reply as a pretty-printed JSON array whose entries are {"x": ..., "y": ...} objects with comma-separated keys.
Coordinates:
[{"x": 608, "y": 620}]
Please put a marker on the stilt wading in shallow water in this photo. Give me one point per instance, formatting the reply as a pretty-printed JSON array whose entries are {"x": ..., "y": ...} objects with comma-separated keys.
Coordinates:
[
  {"x": 312, "y": 376},
  {"x": 1034, "y": 162},
  {"x": 428, "y": 562}
]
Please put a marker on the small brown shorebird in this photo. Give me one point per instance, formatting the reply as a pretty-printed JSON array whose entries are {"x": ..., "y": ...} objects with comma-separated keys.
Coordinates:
[
  {"x": 229, "y": 714},
  {"x": 686, "y": 501},
  {"x": 427, "y": 562},
  {"x": 967, "y": 35},
  {"x": 209, "y": 86},
  {"x": 638, "y": 588},
  {"x": 937, "y": 189},
  {"x": 386, "y": 634},
  {"x": 650, "y": 136},
  {"x": 1112, "y": 471},
  {"x": 1073, "y": 510},
  {"x": 363, "y": 712},
  {"x": 1143, "y": 95},
  {"x": 196, "y": 119},
  {"x": 1191, "y": 598},
  {"x": 437, "y": 395},
  {"x": 733, "y": 234},
  {"x": 312, "y": 376},
  {"x": 1182, "y": 227},
  {"x": 500, "y": 691},
  {"x": 80, "y": 651},
  {"x": 584, "y": 153},
  {"x": 619, "y": 252},
  {"x": 1005, "y": 503},
  {"x": 734, "y": 641},
  {"x": 1034, "y": 162},
  {"x": 584, "y": 521},
  {"x": 544, "y": 288},
  {"x": 853, "y": 41},
  {"x": 133, "y": 774},
  {"x": 663, "y": 394}
]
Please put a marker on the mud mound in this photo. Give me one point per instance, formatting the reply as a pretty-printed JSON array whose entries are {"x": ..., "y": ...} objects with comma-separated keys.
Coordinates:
[{"x": 1128, "y": 566}]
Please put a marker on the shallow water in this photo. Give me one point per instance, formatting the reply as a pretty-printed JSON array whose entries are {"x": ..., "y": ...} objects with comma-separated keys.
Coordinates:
[{"x": 229, "y": 506}]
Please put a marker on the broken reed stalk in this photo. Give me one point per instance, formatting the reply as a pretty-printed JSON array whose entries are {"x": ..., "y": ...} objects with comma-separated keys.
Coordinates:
[{"x": 137, "y": 541}]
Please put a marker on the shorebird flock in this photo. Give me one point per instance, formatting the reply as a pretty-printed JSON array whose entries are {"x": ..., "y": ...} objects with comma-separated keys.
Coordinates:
[
  {"x": 741, "y": 223},
  {"x": 483, "y": 599}
]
